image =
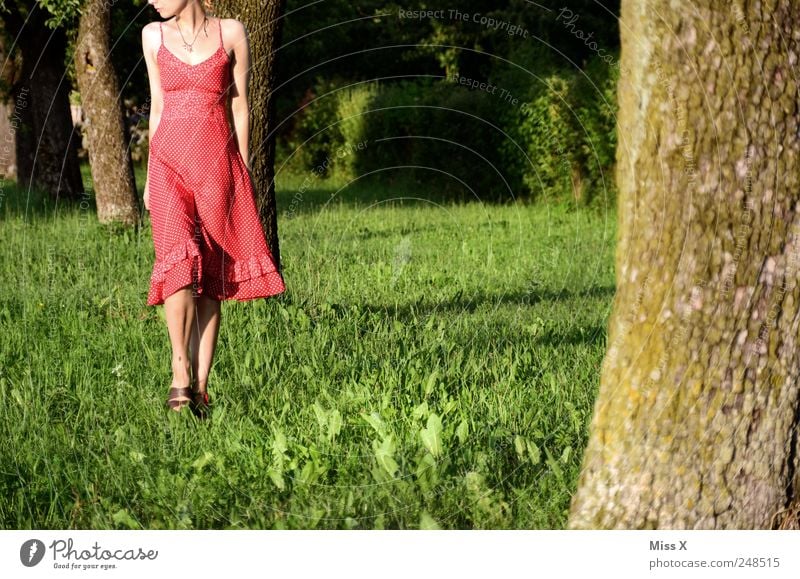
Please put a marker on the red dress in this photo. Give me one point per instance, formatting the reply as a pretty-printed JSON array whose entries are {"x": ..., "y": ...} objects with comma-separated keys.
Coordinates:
[{"x": 206, "y": 229}]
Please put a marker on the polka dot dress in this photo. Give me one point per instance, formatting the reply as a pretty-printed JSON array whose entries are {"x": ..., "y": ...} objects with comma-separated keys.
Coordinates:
[{"x": 206, "y": 229}]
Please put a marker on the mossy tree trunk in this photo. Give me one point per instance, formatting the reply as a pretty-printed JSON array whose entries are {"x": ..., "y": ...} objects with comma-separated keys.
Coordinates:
[
  {"x": 263, "y": 20},
  {"x": 696, "y": 421},
  {"x": 109, "y": 156}
]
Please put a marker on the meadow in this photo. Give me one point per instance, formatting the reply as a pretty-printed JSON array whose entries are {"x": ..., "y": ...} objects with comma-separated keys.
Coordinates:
[{"x": 433, "y": 364}]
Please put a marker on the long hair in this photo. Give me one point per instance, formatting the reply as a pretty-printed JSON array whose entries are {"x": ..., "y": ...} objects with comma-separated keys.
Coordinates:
[{"x": 209, "y": 6}]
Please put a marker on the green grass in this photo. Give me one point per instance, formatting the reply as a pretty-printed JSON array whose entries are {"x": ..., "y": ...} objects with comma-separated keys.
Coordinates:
[{"x": 432, "y": 363}]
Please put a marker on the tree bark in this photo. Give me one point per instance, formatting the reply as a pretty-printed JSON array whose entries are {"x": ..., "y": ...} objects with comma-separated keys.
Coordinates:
[
  {"x": 110, "y": 161},
  {"x": 264, "y": 24},
  {"x": 46, "y": 142},
  {"x": 696, "y": 421}
]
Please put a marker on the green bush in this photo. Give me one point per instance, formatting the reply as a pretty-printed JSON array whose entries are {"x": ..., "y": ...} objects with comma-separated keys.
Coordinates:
[
  {"x": 316, "y": 133},
  {"x": 566, "y": 126},
  {"x": 556, "y": 142},
  {"x": 440, "y": 134},
  {"x": 547, "y": 130},
  {"x": 353, "y": 105},
  {"x": 328, "y": 131},
  {"x": 595, "y": 102}
]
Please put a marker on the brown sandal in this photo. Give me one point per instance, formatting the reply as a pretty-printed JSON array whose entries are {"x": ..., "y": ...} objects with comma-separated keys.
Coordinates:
[
  {"x": 179, "y": 396},
  {"x": 199, "y": 404}
]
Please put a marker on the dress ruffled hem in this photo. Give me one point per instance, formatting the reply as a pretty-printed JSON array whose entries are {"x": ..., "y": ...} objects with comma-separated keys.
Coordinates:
[
  {"x": 245, "y": 269},
  {"x": 243, "y": 280},
  {"x": 264, "y": 286},
  {"x": 182, "y": 252},
  {"x": 181, "y": 267}
]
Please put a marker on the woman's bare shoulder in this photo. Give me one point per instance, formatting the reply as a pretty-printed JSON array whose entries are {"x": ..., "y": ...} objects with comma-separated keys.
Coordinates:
[
  {"x": 151, "y": 28},
  {"x": 151, "y": 35},
  {"x": 232, "y": 28}
]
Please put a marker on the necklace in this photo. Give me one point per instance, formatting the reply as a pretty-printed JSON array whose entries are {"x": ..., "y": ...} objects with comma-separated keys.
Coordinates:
[{"x": 187, "y": 45}]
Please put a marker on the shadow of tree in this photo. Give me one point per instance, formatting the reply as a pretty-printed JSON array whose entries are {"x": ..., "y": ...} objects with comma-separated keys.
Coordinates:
[
  {"x": 418, "y": 312},
  {"x": 293, "y": 202},
  {"x": 591, "y": 335},
  {"x": 471, "y": 303}
]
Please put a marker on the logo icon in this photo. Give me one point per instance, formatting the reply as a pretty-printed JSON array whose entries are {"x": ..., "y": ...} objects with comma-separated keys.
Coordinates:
[{"x": 31, "y": 552}]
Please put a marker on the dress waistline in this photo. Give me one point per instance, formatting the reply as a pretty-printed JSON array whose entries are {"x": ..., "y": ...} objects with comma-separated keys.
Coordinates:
[{"x": 191, "y": 103}]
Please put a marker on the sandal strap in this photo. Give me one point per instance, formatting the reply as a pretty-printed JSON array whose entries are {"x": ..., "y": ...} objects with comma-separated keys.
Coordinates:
[
  {"x": 200, "y": 397},
  {"x": 199, "y": 404},
  {"x": 179, "y": 396}
]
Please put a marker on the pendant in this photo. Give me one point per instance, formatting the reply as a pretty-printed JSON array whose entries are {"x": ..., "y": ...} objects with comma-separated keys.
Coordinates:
[{"x": 188, "y": 47}]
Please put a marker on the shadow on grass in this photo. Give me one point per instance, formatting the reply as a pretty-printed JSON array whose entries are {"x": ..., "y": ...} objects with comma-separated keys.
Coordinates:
[
  {"x": 470, "y": 304},
  {"x": 20, "y": 201},
  {"x": 293, "y": 199},
  {"x": 590, "y": 333},
  {"x": 418, "y": 312},
  {"x": 589, "y": 336},
  {"x": 32, "y": 203}
]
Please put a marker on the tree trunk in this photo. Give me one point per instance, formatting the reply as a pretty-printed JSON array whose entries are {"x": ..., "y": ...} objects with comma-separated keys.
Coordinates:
[
  {"x": 110, "y": 161},
  {"x": 696, "y": 421},
  {"x": 46, "y": 145},
  {"x": 264, "y": 24}
]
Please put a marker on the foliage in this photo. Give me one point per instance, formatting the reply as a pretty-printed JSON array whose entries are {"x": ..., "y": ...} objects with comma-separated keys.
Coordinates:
[
  {"x": 595, "y": 102},
  {"x": 532, "y": 52},
  {"x": 353, "y": 110},
  {"x": 438, "y": 133},
  {"x": 367, "y": 63},
  {"x": 60, "y": 13},
  {"x": 316, "y": 132},
  {"x": 566, "y": 128},
  {"x": 542, "y": 132}
]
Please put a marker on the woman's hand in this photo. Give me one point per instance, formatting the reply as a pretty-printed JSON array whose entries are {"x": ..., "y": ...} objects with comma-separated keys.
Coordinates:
[{"x": 146, "y": 195}]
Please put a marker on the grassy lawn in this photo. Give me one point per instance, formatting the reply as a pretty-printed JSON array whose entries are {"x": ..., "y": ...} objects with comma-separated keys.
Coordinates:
[{"x": 432, "y": 363}]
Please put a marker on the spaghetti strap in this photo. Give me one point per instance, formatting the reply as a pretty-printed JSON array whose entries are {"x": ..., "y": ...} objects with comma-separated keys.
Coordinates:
[
  {"x": 219, "y": 25},
  {"x": 162, "y": 32}
]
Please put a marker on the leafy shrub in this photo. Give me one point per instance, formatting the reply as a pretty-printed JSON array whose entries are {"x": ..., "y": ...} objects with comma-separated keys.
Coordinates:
[
  {"x": 556, "y": 142},
  {"x": 316, "y": 133},
  {"x": 440, "y": 134},
  {"x": 566, "y": 126},
  {"x": 595, "y": 102},
  {"x": 353, "y": 105},
  {"x": 329, "y": 129},
  {"x": 547, "y": 130}
]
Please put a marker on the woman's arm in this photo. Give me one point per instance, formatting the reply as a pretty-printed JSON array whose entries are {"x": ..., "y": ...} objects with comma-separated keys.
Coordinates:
[
  {"x": 151, "y": 40},
  {"x": 239, "y": 111}
]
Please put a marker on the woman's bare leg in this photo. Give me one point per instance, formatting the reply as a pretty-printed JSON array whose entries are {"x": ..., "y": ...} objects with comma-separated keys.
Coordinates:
[
  {"x": 205, "y": 331},
  {"x": 180, "y": 312}
]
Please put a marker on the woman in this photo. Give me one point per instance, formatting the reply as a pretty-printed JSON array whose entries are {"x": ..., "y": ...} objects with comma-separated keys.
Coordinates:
[{"x": 208, "y": 240}]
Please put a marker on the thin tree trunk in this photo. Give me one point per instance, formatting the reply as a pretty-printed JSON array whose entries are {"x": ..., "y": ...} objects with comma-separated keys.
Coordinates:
[
  {"x": 110, "y": 161},
  {"x": 696, "y": 421},
  {"x": 264, "y": 25},
  {"x": 47, "y": 147}
]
